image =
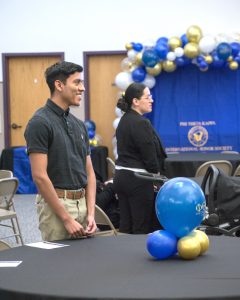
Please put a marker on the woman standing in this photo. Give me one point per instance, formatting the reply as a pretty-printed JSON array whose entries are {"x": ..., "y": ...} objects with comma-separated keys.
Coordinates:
[{"x": 139, "y": 150}]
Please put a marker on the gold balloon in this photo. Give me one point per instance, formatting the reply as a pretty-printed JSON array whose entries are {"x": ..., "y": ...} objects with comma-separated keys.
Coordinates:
[
  {"x": 188, "y": 247},
  {"x": 208, "y": 59},
  {"x": 191, "y": 50},
  {"x": 230, "y": 58},
  {"x": 194, "y": 34},
  {"x": 202, "y": 238},
  {"x": 93, "y": 142},
  {"x": 138, "y": 59},
  {"x": 169, "y": 66},
  {"x": 156, "y": 70},
  {"x": 128, "y": 46},
  {"x": 174, "y": 42},
  {"x": 233, "y": 65}
]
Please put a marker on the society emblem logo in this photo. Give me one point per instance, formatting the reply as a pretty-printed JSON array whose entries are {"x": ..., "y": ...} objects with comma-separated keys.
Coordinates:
[{"x": 198, "y": 136}]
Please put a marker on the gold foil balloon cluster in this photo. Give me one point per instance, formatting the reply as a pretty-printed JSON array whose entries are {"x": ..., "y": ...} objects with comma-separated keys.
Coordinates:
[{"x": 145, "y": 61}]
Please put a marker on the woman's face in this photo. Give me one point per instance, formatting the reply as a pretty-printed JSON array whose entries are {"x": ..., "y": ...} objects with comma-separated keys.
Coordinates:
[{"x": 144, "y": 104}]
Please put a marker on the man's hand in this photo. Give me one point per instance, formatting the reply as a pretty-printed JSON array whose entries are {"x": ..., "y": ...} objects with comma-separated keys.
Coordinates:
[
  {"x": 91, "y": 227},
  {"x": 74, "y": 228}
]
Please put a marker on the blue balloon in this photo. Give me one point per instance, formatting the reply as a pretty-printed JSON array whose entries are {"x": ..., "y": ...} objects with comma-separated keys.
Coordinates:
[
  {"x": 161, "y": 244},
  {"x": 180, "y": 206},
  {"x": 139, "y": 74},
  {"x": 184, "y": 39},
  {"x": 91, "y": 133},
  {"x": 179, "y": 61},
  {"x": 224, "y": 50},
  {"x": 217, "y": 63},
  {"x": 90, "y": 125},
  {"x": 235, "y": 48},
  {"x": 200, "y": 59},
  {"x": 162, "y": 50},
  {"x": 203, "y": 64},
  {"x": 162, "y": 40},
  {"x": 150, "y": 58},
  {"x": 137, "y": 47},
  {"x": 237, "y": 58}
]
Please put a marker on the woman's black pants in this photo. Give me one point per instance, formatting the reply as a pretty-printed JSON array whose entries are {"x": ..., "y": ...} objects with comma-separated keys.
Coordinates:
[{"x": 136, "y": 202}]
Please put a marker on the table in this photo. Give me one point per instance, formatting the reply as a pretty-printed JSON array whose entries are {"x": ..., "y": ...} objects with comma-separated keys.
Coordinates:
[
  {"x": 120, "y": 268},
  {"x": 186, "y": 164},
  {"x": 16, "y": 160}
]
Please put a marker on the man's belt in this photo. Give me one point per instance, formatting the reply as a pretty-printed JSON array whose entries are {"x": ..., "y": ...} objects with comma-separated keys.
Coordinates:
[{"x": 70, "y": 194}]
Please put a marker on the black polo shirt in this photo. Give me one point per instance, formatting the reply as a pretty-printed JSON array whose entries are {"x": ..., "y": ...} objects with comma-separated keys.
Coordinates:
[{"x": 64, "y": 139}]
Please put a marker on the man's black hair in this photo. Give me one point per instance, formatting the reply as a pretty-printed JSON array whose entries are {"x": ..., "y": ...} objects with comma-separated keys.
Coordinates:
[{"x": 60, "y": 71}]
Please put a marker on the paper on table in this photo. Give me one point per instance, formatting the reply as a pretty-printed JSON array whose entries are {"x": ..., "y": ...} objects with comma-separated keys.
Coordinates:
[
  {"x": 7, "y": 264},
  {"x": 46, "y": 245}
]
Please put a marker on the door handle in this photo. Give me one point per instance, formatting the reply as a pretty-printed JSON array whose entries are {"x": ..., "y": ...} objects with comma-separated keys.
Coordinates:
[{"x": 15, "y": 126}]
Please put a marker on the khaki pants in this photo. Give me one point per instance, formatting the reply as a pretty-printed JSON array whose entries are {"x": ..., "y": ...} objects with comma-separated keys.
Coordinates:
[{"x": 50, "y": 224}]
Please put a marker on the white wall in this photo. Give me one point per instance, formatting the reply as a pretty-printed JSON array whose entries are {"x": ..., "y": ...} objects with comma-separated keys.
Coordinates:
[{"x": 74, "y": 26}]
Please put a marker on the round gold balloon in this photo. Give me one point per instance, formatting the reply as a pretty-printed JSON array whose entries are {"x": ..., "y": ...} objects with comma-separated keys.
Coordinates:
[
  {"x": 194, "y": 34},
  {"x": 208, "y": 59},
  {"x": 188, "y": 247},
  {"x": 174, "y": 42},
  {"x": 93, "y": 142},
  {"x": 156, "y": 70},
  {"x": 230, "y": 58},
  {"x": 233, "y": 65},
  {"x": 138, "y": 59},
  {"x": 203, "y": 239},
  {"x": 128, "y": 46},
  {"x": 169, "y": 66},
  {"x": 191, "y": 50}
]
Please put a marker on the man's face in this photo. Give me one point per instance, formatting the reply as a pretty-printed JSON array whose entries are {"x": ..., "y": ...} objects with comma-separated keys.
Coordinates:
[{"x": 73, "y": 89}]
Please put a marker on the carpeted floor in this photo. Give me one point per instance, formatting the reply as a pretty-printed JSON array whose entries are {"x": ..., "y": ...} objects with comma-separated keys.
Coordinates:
[{"x": 28, "y": 220}]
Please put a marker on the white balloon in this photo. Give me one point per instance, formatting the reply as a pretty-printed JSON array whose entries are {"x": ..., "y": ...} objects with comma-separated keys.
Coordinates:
[
  {"x": 171, "y": 56},
  {"x": 149, "y": 81},
  {"x": 125, "y": 64},
  {"x": 179, "y": 51},
  {"x": 115, "y": 122},
  {"x": 118, "y": 112},
  {"x": 123, "y": 79},
  {"x": 149, "y": 43},
  {"x": 132, "y": 55},
  {"x": 235, "y": 37},
  {"x": 207, "y": 44},
  {"x": 221, "y": 38}
]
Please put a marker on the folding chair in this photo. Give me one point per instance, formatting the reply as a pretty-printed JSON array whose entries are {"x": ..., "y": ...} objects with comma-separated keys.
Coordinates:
[
  {"x": 5, "y": 174},
  {"x": 102, "y": 219},
  {"x": 111, "y": 164},
  {"x": 224, "y": 165},
  {"x": 237, "y": 171},
  {"x": 8, "y": 188},
  {"x": 4, "y": 245}
]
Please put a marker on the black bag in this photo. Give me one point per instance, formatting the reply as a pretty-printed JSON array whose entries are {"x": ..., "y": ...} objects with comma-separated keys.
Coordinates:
[{"x": 222, "y": 194}]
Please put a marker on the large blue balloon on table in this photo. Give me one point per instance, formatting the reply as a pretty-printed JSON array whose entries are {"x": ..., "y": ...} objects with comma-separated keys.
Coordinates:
[{"x": 180, "y": 206}]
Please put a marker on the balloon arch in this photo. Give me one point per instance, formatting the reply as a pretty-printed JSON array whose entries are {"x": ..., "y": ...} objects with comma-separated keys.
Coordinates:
[{"x": 146, "y": 61}]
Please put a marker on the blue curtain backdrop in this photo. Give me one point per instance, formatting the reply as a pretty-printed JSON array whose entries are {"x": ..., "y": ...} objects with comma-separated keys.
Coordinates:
[{"x": 197, "y": 111}]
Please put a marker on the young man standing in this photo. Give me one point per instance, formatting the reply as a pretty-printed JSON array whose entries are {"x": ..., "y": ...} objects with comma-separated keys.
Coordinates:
[{"x": 59, "y": 153}]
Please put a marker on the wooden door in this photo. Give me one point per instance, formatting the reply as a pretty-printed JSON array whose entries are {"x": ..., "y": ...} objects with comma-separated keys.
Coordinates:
[
  {"x": 102, "y": 94},
  {"x": 27, "y": 91}
]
